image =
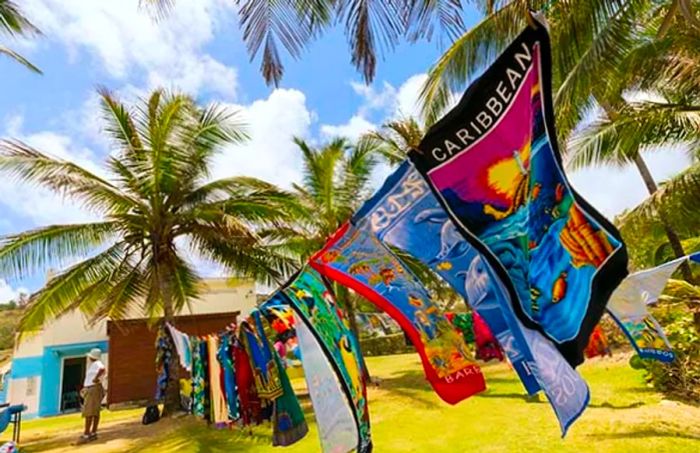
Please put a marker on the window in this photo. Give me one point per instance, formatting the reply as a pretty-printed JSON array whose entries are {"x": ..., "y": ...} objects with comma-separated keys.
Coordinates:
[{"x": 31, "y": 386}]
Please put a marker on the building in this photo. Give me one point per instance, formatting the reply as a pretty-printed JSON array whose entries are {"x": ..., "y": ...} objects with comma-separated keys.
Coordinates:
[{"x": 48, "y": 368}]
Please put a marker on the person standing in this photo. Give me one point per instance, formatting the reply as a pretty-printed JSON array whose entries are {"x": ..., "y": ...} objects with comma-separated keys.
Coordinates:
[{"x": 93, "y": 392}]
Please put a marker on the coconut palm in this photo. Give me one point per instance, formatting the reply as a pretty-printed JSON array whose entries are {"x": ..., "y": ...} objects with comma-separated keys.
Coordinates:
[
  {"x": 14, "y": 24},
  {"x": 157, "y": 209}
]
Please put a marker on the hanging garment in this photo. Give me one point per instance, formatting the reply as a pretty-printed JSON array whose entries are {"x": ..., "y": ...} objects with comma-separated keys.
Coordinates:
[
  {"x": 219, "y": 409},
  {"x": 288, "y": 423},
  {"x": 628, "y": 307},
  {"x": 487, "y": 347},
  {"x": 335, "y": 373},
  {"x": 226, "y": 361},
  {"x": 598, "y": 344},
  {"x": 245, "y": 384},
  {"x": 463, "y": 322},
  {"x": 200, "y": 378},
  {"x": 356, "y": 259},
  {"x": 494, "y": 165},
  {"x": 405, "y": 214},
  {"x": 182, "y": 345},
  {"x": 163, "y": 354},
  {"x": 261, "y": 355}
]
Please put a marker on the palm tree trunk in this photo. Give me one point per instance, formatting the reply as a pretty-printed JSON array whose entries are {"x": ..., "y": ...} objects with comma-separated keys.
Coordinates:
[{"x": 671, "y": 234}]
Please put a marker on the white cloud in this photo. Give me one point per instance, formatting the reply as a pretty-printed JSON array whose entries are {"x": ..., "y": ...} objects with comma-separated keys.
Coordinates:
[
  {"x": 8, "y": 293},
  {"x": 612, "y": 189},
  {"x": 406, "y": 103},
  {"x": 270, "y": 154},
  {"x": 374, "y": 100},
  {"x": 37, "y": 204},
  {"x": 353, "y": 129},
  {"x": 126, "y": 41}
]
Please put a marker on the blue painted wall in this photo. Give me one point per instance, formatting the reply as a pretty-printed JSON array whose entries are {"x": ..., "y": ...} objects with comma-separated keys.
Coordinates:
[
  {"x": 25, "y": 367},
  {"x": 51, "y": 372}
]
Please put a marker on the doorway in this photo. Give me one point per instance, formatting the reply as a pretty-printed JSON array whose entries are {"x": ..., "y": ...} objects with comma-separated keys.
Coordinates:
[{"x": 72, "y": 382}]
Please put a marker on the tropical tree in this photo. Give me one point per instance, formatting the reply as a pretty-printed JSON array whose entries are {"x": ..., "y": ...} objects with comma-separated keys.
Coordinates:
[
  {"x": 336, "y": 180},
  {"x": 13, "y": 23},
  {"x": 157, "y": 210}
]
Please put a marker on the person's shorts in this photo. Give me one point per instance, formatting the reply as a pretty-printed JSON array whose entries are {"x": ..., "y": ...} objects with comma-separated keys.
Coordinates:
[{"x": 93, "y": 400}]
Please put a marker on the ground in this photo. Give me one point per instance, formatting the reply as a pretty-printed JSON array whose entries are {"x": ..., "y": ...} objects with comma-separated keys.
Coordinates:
[{"x": 624, "y": 415}]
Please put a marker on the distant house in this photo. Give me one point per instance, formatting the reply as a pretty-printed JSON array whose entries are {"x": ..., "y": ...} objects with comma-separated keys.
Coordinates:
[{"x": 48, "y": 368}]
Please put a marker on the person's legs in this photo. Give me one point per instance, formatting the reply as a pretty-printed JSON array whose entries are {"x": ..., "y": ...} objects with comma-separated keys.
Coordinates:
[
  {"x": 95, "y": 422},
  {"x": 88, "y": 422}
]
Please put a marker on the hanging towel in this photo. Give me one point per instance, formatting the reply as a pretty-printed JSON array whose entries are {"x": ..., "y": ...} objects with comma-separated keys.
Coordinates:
[
  {"x": 182, "y": 346},
  {"x": 162, "y": 363},
  {"x": 598, "y": 344},
  {"x": 356, "y": 259},
  {"x": 494, "y": 164},
  {"x": 226, "y": 361},
  {"x": 245, "y": 384},
  {"x": 200, "y": 378},
  {"x": 219, "y": 408},
  {"x": 487, "y": 347},
  {"x": 628, "y": 307},
  {"x": 288, "y": 423},
  {"x": 261, "y": 355}
]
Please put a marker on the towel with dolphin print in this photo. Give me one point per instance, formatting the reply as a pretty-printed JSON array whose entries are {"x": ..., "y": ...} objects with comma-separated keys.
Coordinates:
[
  {"x": 494, "y": 165},
  {"x": 356, "y": 259},
  {"x": 334, "y": 370},
  {"x": 405, "y": 214}
]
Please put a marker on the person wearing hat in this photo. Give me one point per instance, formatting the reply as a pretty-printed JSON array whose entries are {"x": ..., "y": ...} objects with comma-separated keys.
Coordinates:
[{"x": 92, "y": 392}]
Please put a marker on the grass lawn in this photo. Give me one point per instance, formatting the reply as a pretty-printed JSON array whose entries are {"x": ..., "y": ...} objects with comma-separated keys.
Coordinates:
[{"x": 406, "y": 415}]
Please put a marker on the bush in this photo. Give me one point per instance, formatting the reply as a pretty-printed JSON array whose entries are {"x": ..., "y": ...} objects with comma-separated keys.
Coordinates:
[
  {"x": 680, "y": 378},
  {"x": 386, "y": 345}
]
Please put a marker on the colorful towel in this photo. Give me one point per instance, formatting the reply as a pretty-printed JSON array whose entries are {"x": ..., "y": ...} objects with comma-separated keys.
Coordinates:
[
  {"x": 598, "y": 344},
  {"x": 265, "y": 374},
  {"x": 356, "y": 259},
  {"x": 163, "y": 354},
  {"x": 405, "y": 214},
  {"x": 628, "y": 307},
  {"x": 182, "y": 345},
  {"x": 465, "y": 325},
  {"x": 322, "y": 329},
  {"x": 487, "y": 347},
  {"x": 225, "y": 358},
  {"x": 245, "y": 385},
  {"x": 200, "y": 378},
  {"x": 494, "y": 164},
  {"x": 333, "y": 410},
  {"x": 288, "y": 423},
  {"x": 219, "y": 408}
]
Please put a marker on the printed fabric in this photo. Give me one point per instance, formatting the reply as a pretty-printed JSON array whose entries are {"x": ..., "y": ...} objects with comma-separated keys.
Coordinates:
[
  {"x": 487, "y": 347},
  {"x": 598, "y": 344},
  {"x": 628, "y": 307},
  {"x": 465, "y": 325},
  {"x": 245, "y": 383},
  {"x": 265, "y": 373},
  {"x": 182, "y": 345},
  {"x": 163, "y": 354},
  {"x": 358, "y": 260},
  {"x": 288, "y": 423},
  {"x": 219, "y": 409},
  {"x": 225, "y": 358},
  {"x": 315, "y": 306},
  {"x": 494, "y": 165},
  {"x": 200, "y": 378}
]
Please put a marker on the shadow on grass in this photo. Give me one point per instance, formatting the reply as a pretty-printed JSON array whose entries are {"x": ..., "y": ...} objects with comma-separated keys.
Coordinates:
[
  {"x": 409, "y": 384},
  {"x": 607, "y": 405},
  {"x": 644, "y": 433}
]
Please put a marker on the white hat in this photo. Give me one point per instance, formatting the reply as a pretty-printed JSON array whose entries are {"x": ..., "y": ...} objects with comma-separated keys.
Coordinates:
[{"x": 95, "y": 354}]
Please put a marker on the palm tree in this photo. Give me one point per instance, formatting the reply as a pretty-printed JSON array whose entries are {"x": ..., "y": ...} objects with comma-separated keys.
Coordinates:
[
  {"x": 336, "y": 180},
  {"x": 14, "y": 24},
  {"x": 157, "y": 208}
]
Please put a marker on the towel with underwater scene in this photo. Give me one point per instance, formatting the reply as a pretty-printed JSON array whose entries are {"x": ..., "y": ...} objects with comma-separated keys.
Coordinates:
[
  {"x": 494, "y": 164},
  {"x": 406, "y": 215},
  {"x": 338, "y": 373},
  {"x": 356, "y": 259}
]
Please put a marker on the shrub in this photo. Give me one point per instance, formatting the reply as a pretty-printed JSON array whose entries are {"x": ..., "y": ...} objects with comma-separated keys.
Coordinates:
[
  {"x": 386, "y": 345},
  {"x": 680, "y": 378}
]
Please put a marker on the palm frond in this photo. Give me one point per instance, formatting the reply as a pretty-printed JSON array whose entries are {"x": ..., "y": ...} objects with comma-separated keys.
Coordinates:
[
  {"x": 19, "y": 59},
  {"x": 13, "y": 21}
]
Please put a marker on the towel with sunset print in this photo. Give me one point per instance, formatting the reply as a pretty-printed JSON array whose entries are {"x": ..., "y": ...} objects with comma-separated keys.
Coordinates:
[{"x": 494, "y": 165}]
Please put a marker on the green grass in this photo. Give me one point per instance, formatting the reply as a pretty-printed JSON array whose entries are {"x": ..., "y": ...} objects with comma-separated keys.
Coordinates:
[{"x": 624, "y": 415}]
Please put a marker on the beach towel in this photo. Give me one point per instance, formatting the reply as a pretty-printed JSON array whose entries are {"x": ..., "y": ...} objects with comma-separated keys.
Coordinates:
[
  {"x": 182, "y": 345},
  {"x": 225, "y": 358},
  {"x": 245, "y": 385},
  {"x": 598, "y": 344},
  {"x": 261, "y": 354},
  {"x": 356, "y": 259},
  {"x": 628, "y": 307},
  {"x": 288, "y": 423},
  {"x": 200, "y": 378},
  {"x": 325, "y": 330},
  {"x": 487, "y": 347},
  {"x": 493, "y": 163},
  {"x": 405, "y": 214}
]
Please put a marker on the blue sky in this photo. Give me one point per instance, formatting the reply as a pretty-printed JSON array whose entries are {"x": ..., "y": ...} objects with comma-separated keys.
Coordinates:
[{"x": 198, "y": 49}]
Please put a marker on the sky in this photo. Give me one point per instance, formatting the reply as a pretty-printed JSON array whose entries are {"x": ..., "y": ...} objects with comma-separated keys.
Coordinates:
[{"x": 198, "y": 49}]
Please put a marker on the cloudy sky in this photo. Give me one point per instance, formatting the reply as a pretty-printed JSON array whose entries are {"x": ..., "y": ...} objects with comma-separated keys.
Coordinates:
[{"x": 111, "y": 43}]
